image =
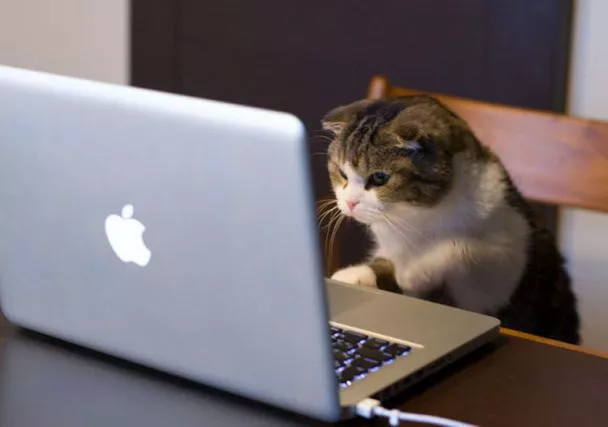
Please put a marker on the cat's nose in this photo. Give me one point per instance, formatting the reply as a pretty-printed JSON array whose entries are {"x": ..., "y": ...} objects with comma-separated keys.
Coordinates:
[{"x": 351, "y": 204}]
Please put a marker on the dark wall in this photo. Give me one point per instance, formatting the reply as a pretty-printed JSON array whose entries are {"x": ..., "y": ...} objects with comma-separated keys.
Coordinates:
[{"x": 307, "y": 57}]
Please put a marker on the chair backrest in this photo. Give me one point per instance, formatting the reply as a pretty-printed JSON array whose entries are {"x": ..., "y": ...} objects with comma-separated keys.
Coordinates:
[{"x": 553, "y": 158}]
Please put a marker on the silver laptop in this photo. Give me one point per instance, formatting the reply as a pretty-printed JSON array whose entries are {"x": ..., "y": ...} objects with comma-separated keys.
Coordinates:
[{"x": 180, "y": 233}]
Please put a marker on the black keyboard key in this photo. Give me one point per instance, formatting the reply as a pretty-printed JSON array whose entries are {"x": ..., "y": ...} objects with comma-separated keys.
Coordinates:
[
  {"x": 370, "y": 353},
  {"x": 338, "y": 364},
  {"x": 347, "y": 375},
  {"x": 397, "y": 349},
  {"x": 340, "y": 346},
  {"x": 344, "y": 346},
  {"x": 375, "y": 343},
  {"x": 343, "y": 358},
  {"x": 351, "y": 373},
  {"x": 366, "y": 364},
  {"x": 340, "y": 356},
  {"x": 354, "y": 337}
]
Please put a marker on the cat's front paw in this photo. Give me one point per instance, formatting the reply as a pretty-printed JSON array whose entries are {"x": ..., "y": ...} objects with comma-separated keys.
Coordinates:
[
  {"x": 416, "y": 281},
  {"x": 361, "y": 275}
]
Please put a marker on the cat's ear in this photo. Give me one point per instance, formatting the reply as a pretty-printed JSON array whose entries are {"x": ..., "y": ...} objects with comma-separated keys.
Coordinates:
[
  {"x": 405, "y": 131},
  {"x": 337, "y": 119},
  {"x": 411, "y": 139}
]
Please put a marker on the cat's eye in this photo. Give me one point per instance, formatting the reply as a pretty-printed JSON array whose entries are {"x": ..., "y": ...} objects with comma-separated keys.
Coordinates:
[
  {"x": 410, "y": 151},
  {"x": 342, "y": 174},
  {"x": 378, "y": 179}
]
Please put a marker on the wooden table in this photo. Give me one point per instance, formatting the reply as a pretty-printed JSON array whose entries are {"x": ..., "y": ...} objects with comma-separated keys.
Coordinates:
[{"x": 517, "y": 382}]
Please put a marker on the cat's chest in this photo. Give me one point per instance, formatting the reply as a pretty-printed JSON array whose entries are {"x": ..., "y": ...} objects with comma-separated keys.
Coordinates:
[{"x": 399, "y": 245}]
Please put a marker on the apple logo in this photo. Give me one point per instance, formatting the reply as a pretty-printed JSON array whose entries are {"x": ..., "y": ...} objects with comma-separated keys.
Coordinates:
[{"x": 125, "y": 235}]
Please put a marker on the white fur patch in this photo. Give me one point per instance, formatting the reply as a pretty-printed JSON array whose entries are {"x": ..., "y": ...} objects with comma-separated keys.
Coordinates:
[
  {"x": 361, "y": 275},
  {"x": 369, "y": 208},
  {"x": 473, "y": 242}
]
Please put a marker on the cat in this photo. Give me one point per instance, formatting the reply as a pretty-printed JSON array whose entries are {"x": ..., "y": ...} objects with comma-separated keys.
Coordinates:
[{"x": 448, "y": 223}]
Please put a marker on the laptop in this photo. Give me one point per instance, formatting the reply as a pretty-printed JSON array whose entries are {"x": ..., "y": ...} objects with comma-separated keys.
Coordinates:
[{"x": 180, "y": 233}]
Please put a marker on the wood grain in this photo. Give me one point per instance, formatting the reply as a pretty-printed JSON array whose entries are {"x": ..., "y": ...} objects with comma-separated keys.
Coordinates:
[
  {"x": 553, "y": 158},
  {"x": 560, "y": 344}
]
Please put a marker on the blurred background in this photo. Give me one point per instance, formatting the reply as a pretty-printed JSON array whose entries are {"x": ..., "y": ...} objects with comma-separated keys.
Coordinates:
[{"x": 307, "y": 57}]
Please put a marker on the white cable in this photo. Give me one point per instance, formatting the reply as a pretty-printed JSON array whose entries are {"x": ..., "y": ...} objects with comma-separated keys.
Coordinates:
[{"x": 369, "y": 408}]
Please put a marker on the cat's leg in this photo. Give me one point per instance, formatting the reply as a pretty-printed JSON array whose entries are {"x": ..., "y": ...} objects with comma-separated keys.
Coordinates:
[
  {"x": 440, "y": 294},
  {"x": 425, "y": 276},
  {"x": 361, "y": 275},
  {"x": 471, "y": 274},
  {"x": 377, "y": 273},
  {"x": 385, "y": 275}
]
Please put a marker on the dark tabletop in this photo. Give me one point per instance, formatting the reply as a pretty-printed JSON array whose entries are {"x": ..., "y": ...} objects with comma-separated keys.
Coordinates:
[{"x": 515, "y": 382}]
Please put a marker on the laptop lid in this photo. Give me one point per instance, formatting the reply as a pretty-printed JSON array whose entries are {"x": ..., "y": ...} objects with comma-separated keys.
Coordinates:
[{"x": 171, "y": 231}]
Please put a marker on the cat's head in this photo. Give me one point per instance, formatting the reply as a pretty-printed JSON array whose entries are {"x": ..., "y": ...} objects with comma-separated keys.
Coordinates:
[{"x": 394, "y": 153}]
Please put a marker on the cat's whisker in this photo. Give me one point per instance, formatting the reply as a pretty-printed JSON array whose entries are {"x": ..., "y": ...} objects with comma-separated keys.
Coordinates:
[
  {"x": 367, "y": 211},
  {"x": 328, "y": 199},
  {"x": 326, "y": 202},
  {"x": 334, "y": 223},
  {"x": 399, "y": 232},
  {"x": 323, "y": 209},
  {"x": 319, "y": 132},
  {"x": 322, "y": 204},
  {"x": 335, "y": 233},
  {"x": 404, "y": 224},
  {"x": 321, "y": 138},
  {"x": 334, "y": 216},
  {"x": 337, "y": 217},
  {"x": 327, "y": 213}
]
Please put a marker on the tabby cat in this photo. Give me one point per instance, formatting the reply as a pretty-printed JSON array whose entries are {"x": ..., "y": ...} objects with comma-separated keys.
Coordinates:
[{"x": 447, "y": 221}]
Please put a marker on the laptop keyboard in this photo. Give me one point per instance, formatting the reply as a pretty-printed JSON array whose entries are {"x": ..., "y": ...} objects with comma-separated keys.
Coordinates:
[{"x": 357, "y": 355}]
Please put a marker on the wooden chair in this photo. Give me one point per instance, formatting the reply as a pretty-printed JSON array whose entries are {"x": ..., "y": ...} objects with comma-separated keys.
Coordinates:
[{"x": 553, "y": 158}]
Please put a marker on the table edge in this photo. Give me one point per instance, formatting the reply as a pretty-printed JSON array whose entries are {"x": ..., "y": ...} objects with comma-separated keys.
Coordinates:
[{"x": 554, "y": 343}]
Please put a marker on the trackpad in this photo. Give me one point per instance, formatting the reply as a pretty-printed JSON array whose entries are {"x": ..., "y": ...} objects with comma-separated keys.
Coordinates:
[
  {"x": 343, "y": 298},
  {"x": 373, "y": 311}
]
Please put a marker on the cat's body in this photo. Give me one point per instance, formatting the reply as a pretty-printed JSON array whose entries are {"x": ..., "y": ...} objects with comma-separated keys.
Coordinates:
[{"x": 447, "y": 221}]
